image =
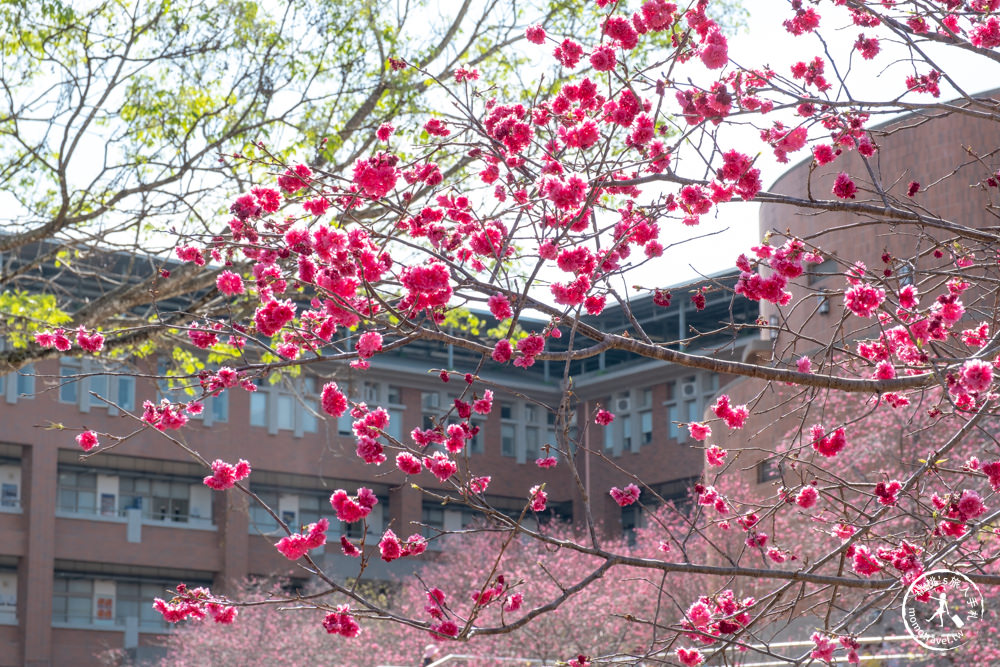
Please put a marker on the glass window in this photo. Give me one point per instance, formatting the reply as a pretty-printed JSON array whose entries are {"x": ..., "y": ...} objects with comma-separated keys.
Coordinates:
[
  {"x": 126, "y": 392},
  {"x": 286, "y": 412},
  {"x": 258, "y": 408},
  {"x": 309, "y": 423},
  {"x": 433, "y": 520},
  {"x": 531, "y": 442},
  {"x": 693, "y": 413},
  {"x": 430, "y": 400},
  {"x": 395, "y": 395},
  {"x": 824, "y": 269},
  {"x": 345, "y": 424},
  {"x": 68, "y": 390},
  {"x": 311, "y": 508},
  {"x": 475, "y": 443},
  {"x": 646, "y": 424},
  {"x": 530, "y": 413},
  {"x": 26, "y": 381},
  {"x": 260, "y": 520},
  {"x": 77, "y": 492},
  {"x": 609, "y": 436},
  {"x": 395, "y": 427},
  {"x": 72, "y": 600},
  {"x": 673, "y": 416},
  {"x": 626, "y": 431},
  {"x": 171, "y": 501},
  {"x": 99, "y": 385},
  {"x": 767, "y": 470},
  {"x": 506, "y": 410},
  {"x": 8, "y": 495},
  {"x": 220, "y": 407},
  {"x": 507, "y": 445}
]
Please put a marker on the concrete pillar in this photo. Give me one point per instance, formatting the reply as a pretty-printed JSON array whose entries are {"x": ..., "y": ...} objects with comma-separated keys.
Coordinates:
[
  {"x": 39, "y": 474},
  {"x": 233, "y": 521}
]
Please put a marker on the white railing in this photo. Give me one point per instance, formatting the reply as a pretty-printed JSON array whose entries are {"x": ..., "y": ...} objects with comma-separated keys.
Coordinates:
[{"x": 908, "y": 656}]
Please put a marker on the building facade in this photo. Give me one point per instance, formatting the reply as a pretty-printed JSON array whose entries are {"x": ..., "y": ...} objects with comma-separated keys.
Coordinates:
[{"x": 86, "y": 543}]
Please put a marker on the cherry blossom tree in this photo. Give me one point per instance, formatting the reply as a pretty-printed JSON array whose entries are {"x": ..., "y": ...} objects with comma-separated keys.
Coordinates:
[
  {"x": 567, "y": 196},
  {"x": 597, "y": 614}
]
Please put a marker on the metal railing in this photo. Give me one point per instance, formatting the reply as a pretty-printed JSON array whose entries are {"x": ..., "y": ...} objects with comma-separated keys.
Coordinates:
[{"x": 907, "y": 656}]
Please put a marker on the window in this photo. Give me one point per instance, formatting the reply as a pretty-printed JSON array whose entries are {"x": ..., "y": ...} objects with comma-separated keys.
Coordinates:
[
  {"x": 261, "y": 520},
  {"x": 673, "y": 416},
  {"x": 8, "y": 495},
  {"x": 258, "y": 409},
  {"x": 68, "y": 390},
  {"x": 26, "y": 381},
  {"x": 822, "y": 270},
  {"x": 506, "y": 411},
  {"x": 170, "y": 501},
  {"x": 768, "y": 470},
  {"x": 433, "y": 520},
  {"x": 73, "y": 600},
  {"x": 532, "y": 443},
  {"x": 692, "y": 413},
  {"x": 627, "y": 432},
  {"x": 8, "y": 596},
  {"x": 283, "y": 408},
  {"x": 906, "y": 275},
  {"x": 395, "y": 427},
  {"x": 219, "y": 407},
  {"x": 286, "y": 412},
  {"x": 311, "y": 509},
  {"x": 134, "y": 599},
  {"x": 631, "y": 520},
  {"x": 164, "y": 499},
  {"x": 119, "y": 389},
  {"x": 508, "y": 446},
  {"x": 345, "y": 424},
  {"x": 77, "y": 492},
  {"x": 646, "y": 425},
  {"x": 475, "y": 444}
]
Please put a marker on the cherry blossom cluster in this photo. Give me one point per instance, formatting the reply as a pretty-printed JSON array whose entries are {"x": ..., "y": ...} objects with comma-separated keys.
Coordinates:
[
  {"x": 165, "y": 415},
  {"x": 391, "y": 547},
  {"x": 341, "y": 622},
  {"x": 225, "y": 475},
  {"x": 350, "y": 510},
  {"x": 197, "y": 604},
  {"x": 296, "y": 545},
  {"x": 88, "y": 341},
  {"x": 708, "y": 619}
]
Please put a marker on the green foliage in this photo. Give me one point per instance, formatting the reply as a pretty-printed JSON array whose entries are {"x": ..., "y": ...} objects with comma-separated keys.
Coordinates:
[{"x": 23, "y": 313}]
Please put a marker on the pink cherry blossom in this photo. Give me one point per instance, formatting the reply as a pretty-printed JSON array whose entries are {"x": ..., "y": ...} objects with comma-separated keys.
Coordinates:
[
  {"x": 627, "y": 496},
  {"x": 87, "y": 440}
]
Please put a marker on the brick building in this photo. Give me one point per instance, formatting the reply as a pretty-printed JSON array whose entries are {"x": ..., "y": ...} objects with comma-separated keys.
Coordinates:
[
  {"x": 933, "y": 148},
  {"x": 85, "y": 545}
]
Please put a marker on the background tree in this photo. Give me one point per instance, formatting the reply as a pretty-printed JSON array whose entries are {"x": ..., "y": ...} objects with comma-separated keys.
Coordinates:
[{"x": 115, "y": 114}]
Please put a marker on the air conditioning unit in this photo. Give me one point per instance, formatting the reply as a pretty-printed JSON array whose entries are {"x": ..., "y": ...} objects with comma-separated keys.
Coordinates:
[
  {"x": 623, "y": 404},
  {"x": 689, "y": 389}
]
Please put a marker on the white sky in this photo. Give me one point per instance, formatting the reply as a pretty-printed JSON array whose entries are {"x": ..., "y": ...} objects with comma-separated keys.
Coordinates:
[{"x": 766, "y": 42}]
